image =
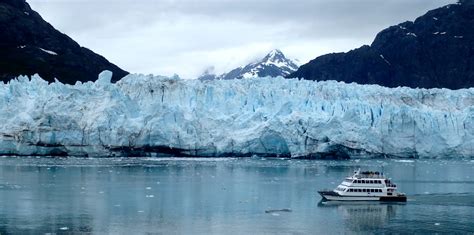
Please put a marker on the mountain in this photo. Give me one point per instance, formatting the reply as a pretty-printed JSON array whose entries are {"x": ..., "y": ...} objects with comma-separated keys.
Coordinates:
[
  {"x": 30, "y": 45},
  {"x": 143, "y": 115},
  {"x": 436, "y": 50},
  {"x": 274, "y": 64}
]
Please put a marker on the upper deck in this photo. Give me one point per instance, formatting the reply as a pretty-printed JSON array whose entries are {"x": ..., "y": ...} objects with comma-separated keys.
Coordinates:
[{"x": 368, "y": 175}]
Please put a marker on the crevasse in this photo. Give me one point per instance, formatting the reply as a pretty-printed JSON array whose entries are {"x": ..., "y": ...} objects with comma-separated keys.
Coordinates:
[{"x": 144, "y": 115}]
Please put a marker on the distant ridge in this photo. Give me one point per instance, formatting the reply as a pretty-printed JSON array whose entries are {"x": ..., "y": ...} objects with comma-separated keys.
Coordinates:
[{"x": 273, "y": 64}]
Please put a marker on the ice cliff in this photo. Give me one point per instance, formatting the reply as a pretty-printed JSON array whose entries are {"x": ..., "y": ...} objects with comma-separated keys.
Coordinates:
[{"x": 143, "y": 115}]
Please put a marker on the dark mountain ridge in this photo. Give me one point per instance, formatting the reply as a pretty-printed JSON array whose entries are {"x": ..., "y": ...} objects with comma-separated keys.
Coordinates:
[
  {"x": 30, "y": 45},
  {"x": 434, "y": 51}
]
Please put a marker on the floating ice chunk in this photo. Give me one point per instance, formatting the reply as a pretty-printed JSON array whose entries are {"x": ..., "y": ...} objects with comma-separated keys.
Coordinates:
[
  {"x": 64, "y": 228},
  {"x": 412, "y": 34}
]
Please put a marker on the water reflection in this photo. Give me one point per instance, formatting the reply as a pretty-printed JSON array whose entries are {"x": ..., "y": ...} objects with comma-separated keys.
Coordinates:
[
  {"x": 224, "y": 196},
  {"x": 363, "y": 216}
]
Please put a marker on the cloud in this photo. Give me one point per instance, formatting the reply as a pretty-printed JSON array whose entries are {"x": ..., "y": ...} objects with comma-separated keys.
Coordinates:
[{"x": 188, "y": 36}]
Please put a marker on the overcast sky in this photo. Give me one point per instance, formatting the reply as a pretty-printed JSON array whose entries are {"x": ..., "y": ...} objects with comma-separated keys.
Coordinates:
[{"x": 186, "y": 37}]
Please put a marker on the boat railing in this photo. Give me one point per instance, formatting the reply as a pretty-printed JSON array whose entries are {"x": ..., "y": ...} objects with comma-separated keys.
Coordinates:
[{"x": 360, "y": 176}]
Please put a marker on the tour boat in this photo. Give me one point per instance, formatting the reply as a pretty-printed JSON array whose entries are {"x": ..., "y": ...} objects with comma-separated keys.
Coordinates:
[{"x": 365, "y": 186}]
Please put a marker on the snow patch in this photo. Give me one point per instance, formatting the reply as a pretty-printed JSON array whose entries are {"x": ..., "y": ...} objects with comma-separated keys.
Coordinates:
[
  {"x": 48, "y": 51},
  {"x": 386, "y": 61}
]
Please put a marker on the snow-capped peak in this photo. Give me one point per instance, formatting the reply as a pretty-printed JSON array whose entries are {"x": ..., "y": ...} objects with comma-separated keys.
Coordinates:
[
  {"x": 272, "y": 65},
  {"x": 278, "y": 59},
  {"x": 275, "y": 56}
]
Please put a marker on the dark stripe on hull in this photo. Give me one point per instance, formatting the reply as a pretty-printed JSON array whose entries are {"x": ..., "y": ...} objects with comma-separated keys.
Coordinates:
[{"x": 394, "y": 199}]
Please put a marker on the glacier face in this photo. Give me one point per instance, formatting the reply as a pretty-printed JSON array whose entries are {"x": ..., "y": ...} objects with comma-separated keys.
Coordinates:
[{"x": 142, "y": 115}]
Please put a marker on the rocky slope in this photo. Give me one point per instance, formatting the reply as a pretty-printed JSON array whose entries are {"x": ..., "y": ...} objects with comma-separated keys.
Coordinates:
[
  {"x": 30, "y": 45},
  {"x": 434, "y": 51}
]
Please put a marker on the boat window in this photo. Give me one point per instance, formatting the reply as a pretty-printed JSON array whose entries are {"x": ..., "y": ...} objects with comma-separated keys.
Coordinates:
[
  {"x": 371, "y": 181},
  {"x": 380, "y": 190},
  {"x": 364, "y": 190},
  {"x": 363, "y": 181},
  {"x": 350, "y": 190}
]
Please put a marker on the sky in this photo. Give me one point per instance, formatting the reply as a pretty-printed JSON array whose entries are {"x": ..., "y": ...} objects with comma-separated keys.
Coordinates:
[{"x": 188, "y": 37}]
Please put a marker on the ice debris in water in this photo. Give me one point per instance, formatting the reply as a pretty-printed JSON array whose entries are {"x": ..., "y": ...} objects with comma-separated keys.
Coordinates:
[{"x": 286, "y": 117}]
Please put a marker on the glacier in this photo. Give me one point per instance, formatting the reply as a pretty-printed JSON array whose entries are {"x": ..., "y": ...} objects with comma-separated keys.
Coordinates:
[{"x": 145, "y": 115}]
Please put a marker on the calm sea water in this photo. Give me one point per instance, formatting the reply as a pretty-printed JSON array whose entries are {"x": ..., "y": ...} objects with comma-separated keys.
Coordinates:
[{"x": 226, "y": 196}]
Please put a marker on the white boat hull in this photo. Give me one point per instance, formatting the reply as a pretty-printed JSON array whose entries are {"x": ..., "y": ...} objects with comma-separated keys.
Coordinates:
[{"x": 334, "y": 196}]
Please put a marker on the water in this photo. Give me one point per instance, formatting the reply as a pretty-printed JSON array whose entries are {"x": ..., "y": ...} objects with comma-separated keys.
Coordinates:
[{"x": 226, "y": 196}]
